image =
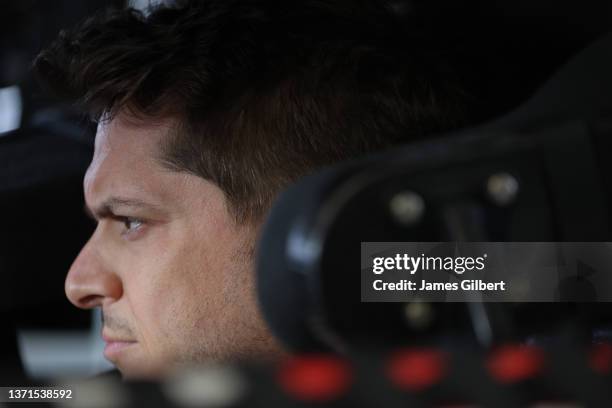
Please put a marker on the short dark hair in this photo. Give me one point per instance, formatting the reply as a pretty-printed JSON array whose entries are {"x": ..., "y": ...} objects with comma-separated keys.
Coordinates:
[{"x": 264, "y": 92}]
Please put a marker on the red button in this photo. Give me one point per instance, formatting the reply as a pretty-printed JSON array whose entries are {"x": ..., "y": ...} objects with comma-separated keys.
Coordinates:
[
  {"x": 416, "y": 370},
  {"x": 315, "y": 377}
]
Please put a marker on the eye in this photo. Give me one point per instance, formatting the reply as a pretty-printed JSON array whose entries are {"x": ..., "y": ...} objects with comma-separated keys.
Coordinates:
[
  {"x": 131, "y": 224},
  {"x": 131, "y": 228}
]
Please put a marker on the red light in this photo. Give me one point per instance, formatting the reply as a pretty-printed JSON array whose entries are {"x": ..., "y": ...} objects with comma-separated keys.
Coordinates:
[
  {"x": 509, "y": 364},
  {"x": 416, "y": 370},
  {"x": 315, "y": 377},
  {"x": 600, "y": 358}
]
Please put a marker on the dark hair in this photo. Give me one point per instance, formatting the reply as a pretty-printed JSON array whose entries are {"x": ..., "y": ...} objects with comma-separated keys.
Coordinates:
[{"x": 265, "y": 92}]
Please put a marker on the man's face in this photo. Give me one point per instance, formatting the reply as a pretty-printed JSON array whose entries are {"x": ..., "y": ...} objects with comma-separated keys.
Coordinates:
[{"x": 167, "y": 264}]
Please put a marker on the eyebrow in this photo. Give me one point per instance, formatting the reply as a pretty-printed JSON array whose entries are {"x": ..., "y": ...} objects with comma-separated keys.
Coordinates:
[{"x": 111, "y": 206}]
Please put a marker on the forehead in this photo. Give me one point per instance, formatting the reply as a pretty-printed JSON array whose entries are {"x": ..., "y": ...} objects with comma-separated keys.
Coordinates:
[{"x": 126, "y": 158}]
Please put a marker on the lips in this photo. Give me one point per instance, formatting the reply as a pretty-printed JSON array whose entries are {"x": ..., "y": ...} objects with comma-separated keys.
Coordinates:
[{"x": 115, "y": 346}]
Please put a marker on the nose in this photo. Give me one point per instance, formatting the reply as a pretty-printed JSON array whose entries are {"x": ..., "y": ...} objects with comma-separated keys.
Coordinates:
[{"x": 90, "y": 281}]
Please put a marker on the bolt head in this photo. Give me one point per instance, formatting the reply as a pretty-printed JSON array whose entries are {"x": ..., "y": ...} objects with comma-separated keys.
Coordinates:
[
  {"x": 407, "y": 208},
  {"x": 502, "y": 188}
]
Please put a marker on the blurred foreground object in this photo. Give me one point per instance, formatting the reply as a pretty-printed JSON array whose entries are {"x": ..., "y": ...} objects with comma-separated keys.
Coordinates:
[
  {"x": 542, "y": 173},
  {"x": 510, "y": 375}
]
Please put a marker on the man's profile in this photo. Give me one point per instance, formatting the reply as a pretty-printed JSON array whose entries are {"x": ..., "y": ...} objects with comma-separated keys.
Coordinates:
[{"x": 205, "y": 111}]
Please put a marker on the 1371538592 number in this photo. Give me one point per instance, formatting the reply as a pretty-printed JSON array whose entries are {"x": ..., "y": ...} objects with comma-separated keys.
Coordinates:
[{"x": 30, "y": 393}]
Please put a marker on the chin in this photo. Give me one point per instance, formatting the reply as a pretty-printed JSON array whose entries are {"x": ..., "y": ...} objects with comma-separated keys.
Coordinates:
[
  {"x": 142, "y": 373},
  {"x": 141, "y": 368}
]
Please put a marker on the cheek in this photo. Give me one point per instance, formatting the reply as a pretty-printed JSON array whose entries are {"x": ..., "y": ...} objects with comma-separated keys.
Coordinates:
[
  {"x": 180, "y": 289},
  {"x": 186, "y": 285}
]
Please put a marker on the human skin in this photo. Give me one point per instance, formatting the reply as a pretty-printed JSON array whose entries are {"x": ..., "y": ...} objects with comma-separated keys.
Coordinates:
[{"x": 168, "y": 265}]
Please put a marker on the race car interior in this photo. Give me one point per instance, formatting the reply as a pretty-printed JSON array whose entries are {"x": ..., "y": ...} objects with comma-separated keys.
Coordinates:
[{"x": 534, "y": 166}]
